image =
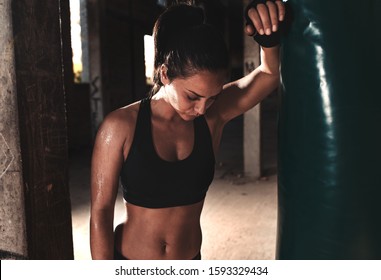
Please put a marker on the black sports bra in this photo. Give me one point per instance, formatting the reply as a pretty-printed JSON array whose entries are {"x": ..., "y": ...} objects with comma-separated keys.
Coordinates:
[{"x": 152, "y": 182}]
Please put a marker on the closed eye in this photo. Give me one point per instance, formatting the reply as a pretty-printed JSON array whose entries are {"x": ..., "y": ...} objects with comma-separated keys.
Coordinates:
[{"x": 193, "y": 98}]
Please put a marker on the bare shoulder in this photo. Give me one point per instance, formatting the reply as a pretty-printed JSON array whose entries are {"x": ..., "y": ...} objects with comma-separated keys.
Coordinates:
[
  {"x": 124, "y": 117},
  {"x": 118, "y": 127}
]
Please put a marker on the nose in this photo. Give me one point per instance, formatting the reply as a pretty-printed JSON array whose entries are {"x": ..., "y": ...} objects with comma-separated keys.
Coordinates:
[{"x": 200, "y": 108}]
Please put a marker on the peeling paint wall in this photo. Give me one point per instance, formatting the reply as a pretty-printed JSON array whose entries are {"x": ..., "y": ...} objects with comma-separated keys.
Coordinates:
[{"x": 12, "y": 215}]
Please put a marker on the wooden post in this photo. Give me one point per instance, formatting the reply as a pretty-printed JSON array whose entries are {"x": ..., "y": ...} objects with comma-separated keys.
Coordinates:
[{"x": 37, "y": 35}]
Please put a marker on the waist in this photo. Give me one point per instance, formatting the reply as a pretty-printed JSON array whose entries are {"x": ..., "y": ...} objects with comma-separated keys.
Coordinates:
[
  {"x": 170, "y": 233},
  {"x": 118, "y": 255}
]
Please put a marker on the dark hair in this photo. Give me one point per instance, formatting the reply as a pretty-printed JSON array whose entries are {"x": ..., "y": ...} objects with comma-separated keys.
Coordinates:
[{"x": 186, "y": 44}]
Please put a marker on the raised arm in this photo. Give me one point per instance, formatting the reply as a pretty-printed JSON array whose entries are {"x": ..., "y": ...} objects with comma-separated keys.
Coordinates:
[
  {"x": 241, "y": 95},
  {"x": 105, "y": 167}
]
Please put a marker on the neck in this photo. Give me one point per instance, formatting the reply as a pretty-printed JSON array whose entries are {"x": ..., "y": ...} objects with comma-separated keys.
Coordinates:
[{"x": 162, "y": 108}]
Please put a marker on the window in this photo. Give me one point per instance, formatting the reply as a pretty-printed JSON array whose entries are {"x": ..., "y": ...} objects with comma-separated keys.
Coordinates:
[
  {"x": 149, "y": 58},
  {"x": 78, "y": 23}
]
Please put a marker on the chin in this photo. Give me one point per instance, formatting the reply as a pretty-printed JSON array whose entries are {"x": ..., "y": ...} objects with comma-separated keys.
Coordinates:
[
  {"x": 189, "y": 118},
  {"x": 186, "y": 117}
]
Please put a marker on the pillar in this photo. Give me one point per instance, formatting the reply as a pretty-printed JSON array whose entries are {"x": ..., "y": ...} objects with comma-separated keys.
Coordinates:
[
  {"x": 31, "y": 46},
  {"x": 94, "y": 22},
  {"x": 13, "y": 241},
  {"x": 251, "y": 125}
]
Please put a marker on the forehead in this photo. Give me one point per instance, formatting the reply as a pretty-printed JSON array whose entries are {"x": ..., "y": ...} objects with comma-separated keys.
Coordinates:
[{"x": 203, "y": 82}]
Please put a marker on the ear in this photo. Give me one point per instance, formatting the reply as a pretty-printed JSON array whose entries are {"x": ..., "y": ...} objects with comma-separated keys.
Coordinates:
[{"x": 163, "y": 75}]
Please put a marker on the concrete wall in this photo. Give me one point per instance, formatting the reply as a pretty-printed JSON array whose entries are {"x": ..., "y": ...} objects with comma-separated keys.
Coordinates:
[
  {"x": 252, "y": 130},
  {"x": 12, "y": 214}
]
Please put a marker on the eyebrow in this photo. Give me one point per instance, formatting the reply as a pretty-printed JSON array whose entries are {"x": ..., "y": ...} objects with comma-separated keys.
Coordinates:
[
  {"x": 198, "y": 95},
  {"x": 201, "y": 96}
]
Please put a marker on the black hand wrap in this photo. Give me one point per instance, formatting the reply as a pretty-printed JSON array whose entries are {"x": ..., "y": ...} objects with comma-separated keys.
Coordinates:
[{"x": 267, "y": 41}]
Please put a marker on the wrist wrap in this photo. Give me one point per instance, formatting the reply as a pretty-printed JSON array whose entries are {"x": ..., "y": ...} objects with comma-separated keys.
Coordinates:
[{"x": 267, "y": 41}]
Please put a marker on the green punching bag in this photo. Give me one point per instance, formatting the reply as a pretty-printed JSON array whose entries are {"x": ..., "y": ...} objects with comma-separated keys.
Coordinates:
[{"x": 329, "y": 166}]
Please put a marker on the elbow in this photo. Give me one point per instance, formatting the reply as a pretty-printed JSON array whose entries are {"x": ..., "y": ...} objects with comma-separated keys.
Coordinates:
[
  {"x": 275, "y": 80},
  {"x": 272, "y": 79},
  {"x": 273, "y": 71},
  {"x": 101, "y": 217}
]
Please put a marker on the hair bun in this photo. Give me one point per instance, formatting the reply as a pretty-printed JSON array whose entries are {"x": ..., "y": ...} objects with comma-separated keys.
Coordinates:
[
  {"x": 176, "y": 20},
  {"x": 183, "y": 16},
  {"x": 185, "y": 44},
  {"x": 172, "y": 25}
]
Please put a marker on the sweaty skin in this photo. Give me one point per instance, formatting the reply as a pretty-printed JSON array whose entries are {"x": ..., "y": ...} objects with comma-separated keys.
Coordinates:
[{"x": 167, "y": 233}]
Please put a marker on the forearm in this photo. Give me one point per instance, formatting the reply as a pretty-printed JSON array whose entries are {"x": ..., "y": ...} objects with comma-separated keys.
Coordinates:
[
  {"x": 101, "y": 235},
  {"x": 241, "y": 95},
  {"x": 264, "y": 79},
  {"x": 270, "y": 61}
]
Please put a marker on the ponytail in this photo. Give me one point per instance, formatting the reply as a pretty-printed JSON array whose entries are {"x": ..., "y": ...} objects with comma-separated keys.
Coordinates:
[{"x": 185, "y": 44}]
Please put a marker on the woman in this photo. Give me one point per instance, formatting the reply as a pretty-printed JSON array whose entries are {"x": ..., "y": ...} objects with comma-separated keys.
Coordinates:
[{"x": 162, "y": 148}]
